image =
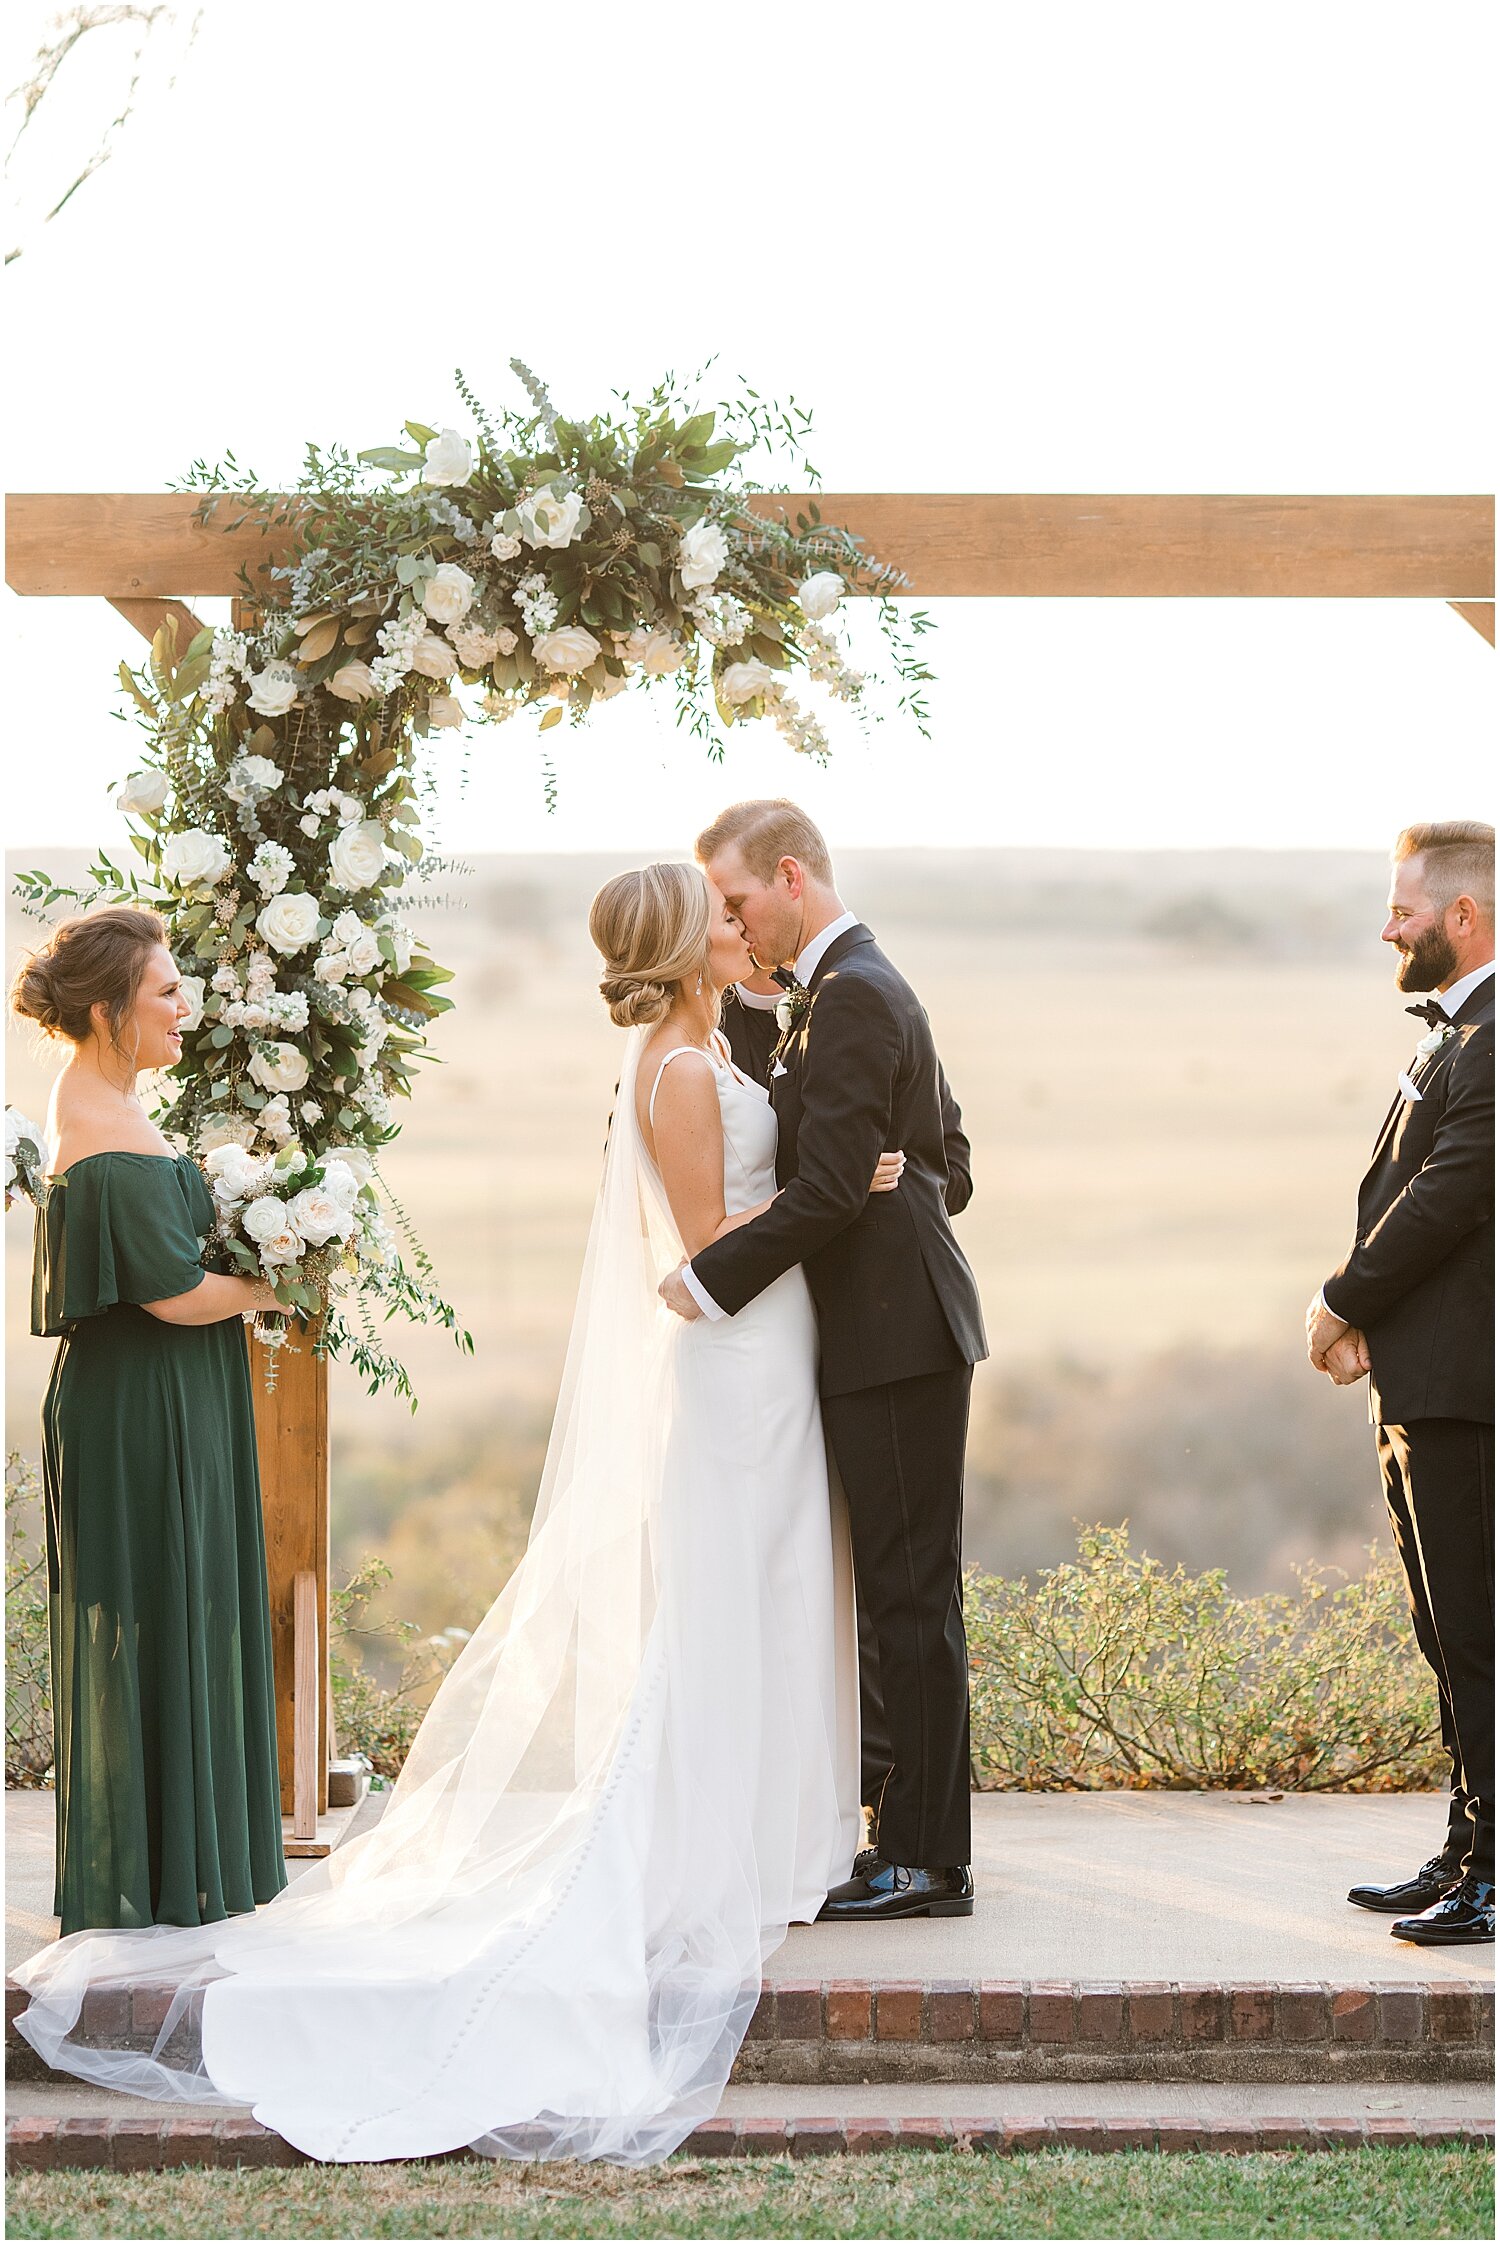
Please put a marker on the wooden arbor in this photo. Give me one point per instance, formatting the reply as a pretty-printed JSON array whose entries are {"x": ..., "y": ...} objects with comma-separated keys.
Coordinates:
[{"x": 149, "y": 555}]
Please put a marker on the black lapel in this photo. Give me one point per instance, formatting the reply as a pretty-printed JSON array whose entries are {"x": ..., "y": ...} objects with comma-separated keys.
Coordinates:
[
  {"x": 1475, "y": 1004},
  {"x": 838, "y": 949}
]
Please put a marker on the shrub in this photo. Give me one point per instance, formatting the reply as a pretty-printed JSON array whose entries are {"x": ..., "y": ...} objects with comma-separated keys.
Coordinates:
[
  {"x": 1115, "y": 1671},
  {"x": 28, "y": 1681},
  {"x": 371, "y": 1718}
]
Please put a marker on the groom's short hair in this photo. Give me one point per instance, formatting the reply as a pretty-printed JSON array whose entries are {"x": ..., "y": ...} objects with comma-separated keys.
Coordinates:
[
  {"x": 1458, "y": 859},
  {"x": 764, "y": 831}
]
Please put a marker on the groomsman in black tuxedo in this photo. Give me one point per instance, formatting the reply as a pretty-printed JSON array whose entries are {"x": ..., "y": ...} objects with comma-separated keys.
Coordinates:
[
  {"x": 899, "y": 1321},
  {"x": 1413, "y": 1304},
  {"x": 750, "y": 1025}
]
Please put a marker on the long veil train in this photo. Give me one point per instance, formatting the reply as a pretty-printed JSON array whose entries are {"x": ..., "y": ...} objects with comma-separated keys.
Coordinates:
[{"x": 551, "y": 1944}]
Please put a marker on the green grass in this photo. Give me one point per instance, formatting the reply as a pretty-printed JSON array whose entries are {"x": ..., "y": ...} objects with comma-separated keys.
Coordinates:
[{"x": 1396, "y": 2193}]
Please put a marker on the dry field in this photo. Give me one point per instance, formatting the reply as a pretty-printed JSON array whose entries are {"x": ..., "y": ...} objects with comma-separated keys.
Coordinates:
[{"x": 1171, "y": 1070}]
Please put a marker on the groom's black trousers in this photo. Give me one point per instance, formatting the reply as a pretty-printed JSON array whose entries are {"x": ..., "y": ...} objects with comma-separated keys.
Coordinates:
[
  {"x": 900, "y": 1455},
  {"x": 1439, "y": 1479}
]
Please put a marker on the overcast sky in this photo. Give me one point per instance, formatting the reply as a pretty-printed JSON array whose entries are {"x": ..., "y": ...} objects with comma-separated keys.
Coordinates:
[{"x": 1150, "y": 248}]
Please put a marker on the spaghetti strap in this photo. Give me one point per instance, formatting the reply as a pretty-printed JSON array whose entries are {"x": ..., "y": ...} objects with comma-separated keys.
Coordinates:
[{"x": 661, "y": 1071}]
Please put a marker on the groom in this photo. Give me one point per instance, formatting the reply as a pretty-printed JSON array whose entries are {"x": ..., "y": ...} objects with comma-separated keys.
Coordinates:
[{"x": 856, "y": 1072}]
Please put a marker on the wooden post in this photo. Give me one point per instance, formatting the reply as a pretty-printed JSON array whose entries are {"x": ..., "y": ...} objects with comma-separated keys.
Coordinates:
[{"x": 291, "y": 1432}]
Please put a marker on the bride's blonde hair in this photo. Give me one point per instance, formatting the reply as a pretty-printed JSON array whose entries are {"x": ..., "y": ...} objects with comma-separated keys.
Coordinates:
[{"x": 652, "y": 930}]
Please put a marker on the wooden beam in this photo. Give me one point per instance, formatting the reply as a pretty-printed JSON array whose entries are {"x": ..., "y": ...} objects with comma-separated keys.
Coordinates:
[
  {"x": 1479, "y": 613},
  {"x": 148, "y": 616},
  {"x": 1226, "y": 546},
  {"x": 291, "y": 1436}
]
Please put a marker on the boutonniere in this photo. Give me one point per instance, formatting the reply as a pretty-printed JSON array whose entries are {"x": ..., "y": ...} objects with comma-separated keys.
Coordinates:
[
  {"x": 1435, "y": 1040},
  {"x": 791, "y": 1008}
]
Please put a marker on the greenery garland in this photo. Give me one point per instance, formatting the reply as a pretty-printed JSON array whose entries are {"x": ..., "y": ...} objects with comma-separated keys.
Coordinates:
[{"x": 537, "y": 563}]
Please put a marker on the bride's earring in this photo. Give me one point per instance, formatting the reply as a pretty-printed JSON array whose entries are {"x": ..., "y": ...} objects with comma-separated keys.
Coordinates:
[{"x": 698, "y": 987}]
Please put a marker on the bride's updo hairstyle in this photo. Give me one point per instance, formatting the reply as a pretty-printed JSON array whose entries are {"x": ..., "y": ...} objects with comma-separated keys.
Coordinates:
[
  {"x": 651, "y": 929},
  {"x": 97, "y": 958}
]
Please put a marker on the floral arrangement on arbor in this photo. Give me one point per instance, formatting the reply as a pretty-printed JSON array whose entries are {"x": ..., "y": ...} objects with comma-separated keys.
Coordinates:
[{"x": 460, "y": 579}]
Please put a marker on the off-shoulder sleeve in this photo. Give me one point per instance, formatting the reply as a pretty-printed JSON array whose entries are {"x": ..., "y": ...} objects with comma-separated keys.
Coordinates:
[{"x": 117, "y": 1228}]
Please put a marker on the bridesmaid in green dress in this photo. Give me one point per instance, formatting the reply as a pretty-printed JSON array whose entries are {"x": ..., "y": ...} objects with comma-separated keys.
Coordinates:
[{"x": 168, "y": 1808}]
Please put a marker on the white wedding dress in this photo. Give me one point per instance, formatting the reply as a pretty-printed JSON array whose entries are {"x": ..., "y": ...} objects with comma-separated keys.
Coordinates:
[{"x": 642, "y": 1768}]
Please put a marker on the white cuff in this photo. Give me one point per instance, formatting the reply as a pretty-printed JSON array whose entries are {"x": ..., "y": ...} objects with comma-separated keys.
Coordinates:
[{"x": 705, "y": 1302}]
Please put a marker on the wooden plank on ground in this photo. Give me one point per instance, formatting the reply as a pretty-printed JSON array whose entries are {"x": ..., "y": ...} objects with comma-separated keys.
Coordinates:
[{"x": 1226, "y": 546}]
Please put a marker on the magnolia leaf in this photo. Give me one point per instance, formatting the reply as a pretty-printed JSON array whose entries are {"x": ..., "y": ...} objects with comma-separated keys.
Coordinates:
[
  {"x": 262, "y": 741},
  {"x": 304, "y": 624},
  {"x": 420, "y": 434},
  {"x": 695, "y": 432},
  {"x": 320, "y": 641},
  {"x": 190, "y": 677},
  {"x": 553, "y": 717},
  {"x": 201, "y": 643},
  {"x": 387, "y": 456},
  {"x": 142, "y": 702},
  {"x": 356, "y": 633}
]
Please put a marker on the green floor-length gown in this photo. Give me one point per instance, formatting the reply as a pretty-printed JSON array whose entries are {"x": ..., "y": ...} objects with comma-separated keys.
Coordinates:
[{"x": 168, "y": 1807}]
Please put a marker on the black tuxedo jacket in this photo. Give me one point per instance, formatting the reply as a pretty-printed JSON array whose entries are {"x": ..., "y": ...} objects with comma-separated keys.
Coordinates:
[
  {"x": 1419, "y": 1280},
  {"x": 894, "y": 1294}
]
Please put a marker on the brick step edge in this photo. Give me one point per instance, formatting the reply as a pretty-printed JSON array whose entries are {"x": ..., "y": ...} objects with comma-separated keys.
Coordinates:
[
  {"x": 133, "y": 2146},
  {"x": 1046, "y": 2015}
]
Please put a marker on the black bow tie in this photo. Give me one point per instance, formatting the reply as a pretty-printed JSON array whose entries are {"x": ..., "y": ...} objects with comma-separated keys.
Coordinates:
[
  {"x": 784, "y": 978},
  {"x": 1435, "y": 1016}
]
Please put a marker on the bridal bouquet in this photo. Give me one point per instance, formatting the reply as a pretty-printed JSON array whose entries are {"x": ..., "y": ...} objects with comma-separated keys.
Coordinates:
[{"x": 25, "y": 1157}]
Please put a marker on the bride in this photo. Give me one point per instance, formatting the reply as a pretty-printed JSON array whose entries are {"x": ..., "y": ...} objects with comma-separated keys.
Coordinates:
[{"x": 644, "y": 1765}]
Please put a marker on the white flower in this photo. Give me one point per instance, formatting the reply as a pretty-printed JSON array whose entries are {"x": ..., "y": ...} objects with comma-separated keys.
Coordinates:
[
  {"x": 276, "y": 1120},
  {"x": 401, "y": 944},
  {"x": 235, "y": 1173},
  {"x": 784, "y": 1014},
  {"x": 289, "y": 922},
  {"x": 230, "y": 1132},
  {"x": 348, "y": 927},
  {"x": 271, "y": 868},
  {"x": 288, "y": 1009},
  {"x": 357, "y": 1160},
  {"x": 191, "y": 986},
  {"x": 350, "y": 808},
  {"x": 356, "y": 855},
  {"x": 365, "y": 953},
  {"x": 432, "y": 656},
  {"x": 474, "y": 647},
  {"x": 143, "y": 793},
  {"x": 820, "y": 594},
  {"x": 332, "y": 967},
  {"x": 264, "y": 1218},
  {"x": 309, "y": 824},
  {"x": 570, "y": 650},
  {"x": 744, "y": 682},
  {"x": 701, "y": 554},
  {"x": 310, "y": 1111},
  {"x": 226, "y": 981},
  {"x": 448, "y": 458},
  {"x": 319, "y": 1215},
  {"x": 550, "y": 518},
  {"x": 613, "y": 684},
  {"x": 504, "y": 547},
  {"x": 353, "y": 682},
  {"x": 283, "y": 1068},
  {"x": 272, "y": 690},
  {"x": 1435, "y": 1039},
  {"x": 657, "y": 652},
  {"x": 253, "y": 775},
  {"x": 281, "y": 1248},
  {"x": 194, "y": 859},
  {"x": 448, "y": 593},
  {"x": 444, "y": 712}
]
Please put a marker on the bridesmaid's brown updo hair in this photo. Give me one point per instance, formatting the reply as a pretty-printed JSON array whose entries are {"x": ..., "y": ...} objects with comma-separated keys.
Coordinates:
[
  {"x": 651, "y": 929},
  {"x": 95, "y": 959}
]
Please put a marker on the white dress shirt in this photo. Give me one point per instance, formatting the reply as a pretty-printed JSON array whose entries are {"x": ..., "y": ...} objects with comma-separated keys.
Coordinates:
[
  {"x": 756, "y": 1000},
  {"x": 808, "y": 960}
]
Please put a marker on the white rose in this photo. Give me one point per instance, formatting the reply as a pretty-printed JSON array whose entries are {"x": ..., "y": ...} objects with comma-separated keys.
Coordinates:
[
  {"x": 613, "y": 684},
  {"x": 355, "y": 1159},
  {"x": 235, "y": 1173},
  {"x": 448, "y": 593},
  {"x": 308, "y": 824},
  {"x": 260, "y": 772},
  {"x": 433, "y": 657},
  {"x": 742, "y": 682},
  {"x": 221, "y": 1134},
  {"x": 570, "y": 650},
  {"x": 289, "y": 922},
  {"x": 192, "y": 989},
  {"x": 348, "y": 927},
  {"x": 332, "y": 967},
  {"x": 444, "y": 712},
  {"x": 657, "y": 652},
  {"x": 272, "y": 690},
  {"x": 504, "y": 547},
  {"x": 449, "y": 458},
  {"x": 820, "y": 594},
  {"x": 281, "y": 1248},
  {"x": 350, "y": 808},
  {"x": 193, "y": 859},
  {"x": 318, "y": 1216},
  {"x": 365, "y": 953},
  {"x": 353, "y": 682},
  {"x": 474, "y": 647},
  {"x": 548, "y": 519},
  {"x": 283, "y": 1068},
  {"x": 143, "y": 793},
  {"x": 356, "y": 855},
  {"x": 701, "y": 555},
  {"x": 264, "y": 1218}
]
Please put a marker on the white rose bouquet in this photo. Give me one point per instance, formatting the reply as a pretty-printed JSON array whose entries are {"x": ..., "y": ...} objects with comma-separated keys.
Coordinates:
[
  {"x": 305, "y": 1222},
  {"x": 25, "y": 1157}
]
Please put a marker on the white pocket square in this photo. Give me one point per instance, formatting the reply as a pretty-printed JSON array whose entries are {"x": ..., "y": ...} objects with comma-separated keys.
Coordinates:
[
  {"x": 1408, "y": 1088},
  {"x": 779, "y": 1069}
]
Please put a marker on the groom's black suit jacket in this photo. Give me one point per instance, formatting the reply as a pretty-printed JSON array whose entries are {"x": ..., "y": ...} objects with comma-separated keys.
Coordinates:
[
  {"x": 894, "y": 1294},
  {"x": 1419, "y": 1281}
]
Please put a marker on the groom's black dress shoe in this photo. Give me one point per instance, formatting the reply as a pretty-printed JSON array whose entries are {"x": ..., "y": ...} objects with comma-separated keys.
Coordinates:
[
  {"x": 1419, "y": 1892},
  {"x": 900, "y": 1890},
  {"x": 1465, "y": 1913}
]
